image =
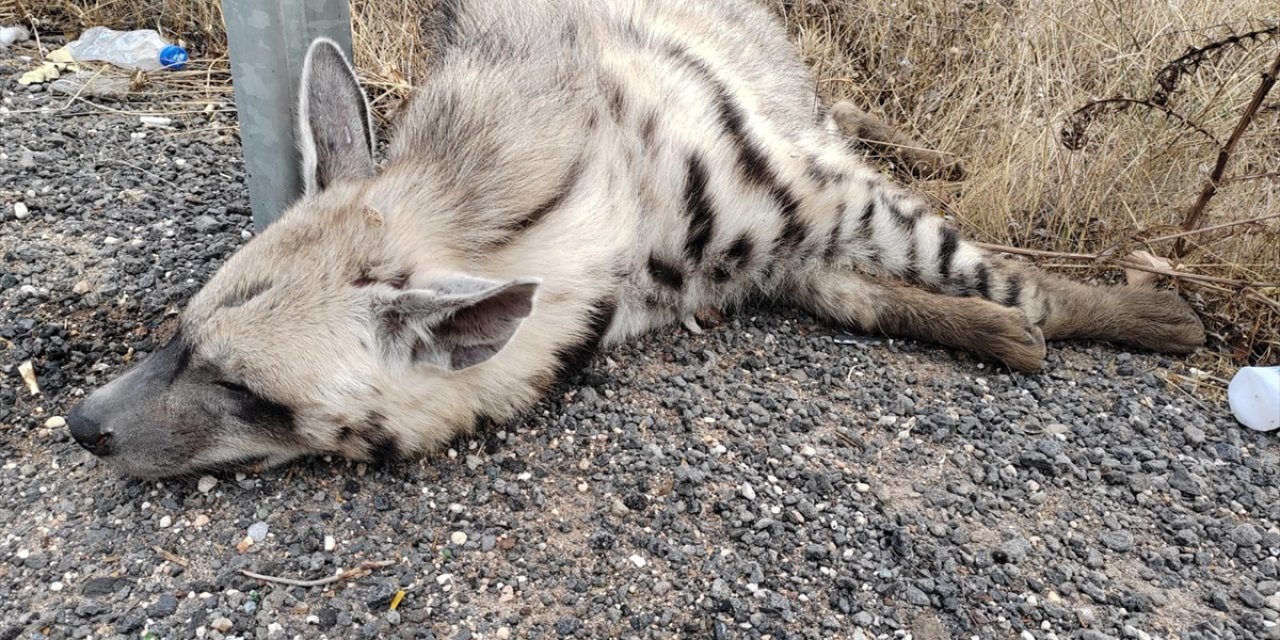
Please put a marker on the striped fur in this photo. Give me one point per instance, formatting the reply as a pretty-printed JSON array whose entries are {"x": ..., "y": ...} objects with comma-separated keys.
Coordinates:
[{"x": 574, "y": 173}]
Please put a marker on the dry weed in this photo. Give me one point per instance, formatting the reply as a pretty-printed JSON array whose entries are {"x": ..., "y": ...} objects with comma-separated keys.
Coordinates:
[{"x": 994, "y": 82}]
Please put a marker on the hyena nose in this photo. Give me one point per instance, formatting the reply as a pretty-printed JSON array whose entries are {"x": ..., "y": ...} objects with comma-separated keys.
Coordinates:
[{"x": 88, "y": 433}]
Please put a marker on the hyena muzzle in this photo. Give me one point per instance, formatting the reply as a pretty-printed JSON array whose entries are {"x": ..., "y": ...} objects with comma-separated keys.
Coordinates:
[{"x": 574, "y": 173}]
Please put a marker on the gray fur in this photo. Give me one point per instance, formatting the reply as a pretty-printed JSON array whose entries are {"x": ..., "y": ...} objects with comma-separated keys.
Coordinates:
[{"x": 574, "y": 173}]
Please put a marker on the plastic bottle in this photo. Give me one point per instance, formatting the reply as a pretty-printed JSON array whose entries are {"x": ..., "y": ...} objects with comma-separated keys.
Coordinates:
[
  {"x": 1254, "y": 395},
  {"x": 142, "y": 49}
]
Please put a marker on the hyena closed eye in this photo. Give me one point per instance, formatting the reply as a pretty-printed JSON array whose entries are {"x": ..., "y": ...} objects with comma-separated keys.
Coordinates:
[{"x": 574, "y": 173}]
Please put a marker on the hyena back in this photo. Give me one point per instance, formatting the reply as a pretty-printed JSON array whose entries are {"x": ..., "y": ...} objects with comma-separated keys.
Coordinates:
[{"x": 573, "y": 174}]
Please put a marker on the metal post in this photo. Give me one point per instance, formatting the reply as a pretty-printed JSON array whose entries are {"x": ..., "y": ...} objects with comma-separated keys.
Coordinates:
[{"x": 268, "y": 42}]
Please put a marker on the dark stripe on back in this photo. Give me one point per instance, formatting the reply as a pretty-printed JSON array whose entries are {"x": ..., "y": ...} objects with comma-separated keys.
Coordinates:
[
  {"x": 557, "y": 198},
  {"x": 665, "y": 273},
  {"x": 702, "y": 217},
  {"x": 1013, "y": 290},
  {"x": 447, "y": 22}
]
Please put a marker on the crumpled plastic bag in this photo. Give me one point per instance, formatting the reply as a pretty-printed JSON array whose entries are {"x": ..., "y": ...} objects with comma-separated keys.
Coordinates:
[{"x": 59, "y": 61}]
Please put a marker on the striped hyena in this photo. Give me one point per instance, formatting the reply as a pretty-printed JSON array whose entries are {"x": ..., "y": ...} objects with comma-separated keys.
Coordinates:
[{"x": 574, "y": 173}]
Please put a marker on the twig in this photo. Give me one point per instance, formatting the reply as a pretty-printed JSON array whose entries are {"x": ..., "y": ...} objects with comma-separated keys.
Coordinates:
[
  {"x": 1215, "y": 227},
  {"x": 350, "y": 574},
  {"x": 1224, "y": 155},
  {"x": 172, "y": 557},
  {"x": 1126, "y": 264}
]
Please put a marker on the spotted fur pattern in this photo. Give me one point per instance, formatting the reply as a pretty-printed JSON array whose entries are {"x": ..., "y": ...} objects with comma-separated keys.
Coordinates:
[{"x": 573, "y": 173}]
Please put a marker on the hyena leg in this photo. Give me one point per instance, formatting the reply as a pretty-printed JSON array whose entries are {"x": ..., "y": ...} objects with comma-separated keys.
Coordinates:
[
  {"x": 1138, "y": 316},
  {"x": 912, "y": 155},
  {"x": 980, "y": 327},
  {"x": 884, "y": 230}
]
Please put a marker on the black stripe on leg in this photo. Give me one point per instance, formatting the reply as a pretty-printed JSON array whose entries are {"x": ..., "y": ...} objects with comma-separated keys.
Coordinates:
[
  {"x": 947, "y": 251},
  {"x": 1013, "y": 291},
  {"x": 834, "y": 241},
  {"x": 702, "y": 217},
  {"x": 665, "y": 273},
  {"x": 982, "y": 284},
  {"x": 573, "y": 357},
  {"x": 735, "y": 259},
  {"x": 866, "y": 218}
]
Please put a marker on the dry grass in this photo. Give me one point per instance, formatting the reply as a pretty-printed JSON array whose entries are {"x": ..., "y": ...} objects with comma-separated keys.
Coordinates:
[{"x": 993, "y": 81}]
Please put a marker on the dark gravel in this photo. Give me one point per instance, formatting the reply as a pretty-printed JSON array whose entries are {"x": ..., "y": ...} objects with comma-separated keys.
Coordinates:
[{"x": 761, "y": 480}]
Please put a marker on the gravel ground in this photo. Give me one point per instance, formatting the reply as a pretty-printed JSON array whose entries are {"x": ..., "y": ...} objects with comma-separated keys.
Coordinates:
[{"x": 769, "y": 479}]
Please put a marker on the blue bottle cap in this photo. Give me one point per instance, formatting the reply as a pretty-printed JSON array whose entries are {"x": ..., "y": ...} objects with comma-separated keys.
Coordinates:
[{"x": 173, "y": 57}]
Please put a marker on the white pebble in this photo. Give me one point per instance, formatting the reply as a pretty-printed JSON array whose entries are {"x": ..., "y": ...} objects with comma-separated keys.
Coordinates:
[
  {"x": 330, "y": 543},
  {"x": 258, "y": 532},
  {"x": 444, "y": 579},
  {"x": 639, "y": 561},
  {"x": 862, "y": 487},
  {"x": 206, "y": 484},
  {"x": 56, "y": 422},
  {"x": 747, "y": 491},
  {"x": 274, "y": 628},
  {"x": 313, "y": 619},
  {"x": 458, "y": 538},
  {"x": 57, "y": 586},
  {"x": 20, "y": 210},
  {"x": 166, "y": 522}
]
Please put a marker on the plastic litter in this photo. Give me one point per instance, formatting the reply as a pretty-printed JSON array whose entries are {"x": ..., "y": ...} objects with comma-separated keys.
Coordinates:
[
  {"x": 12, "y": 35},
  {"x": 141, "y": 49},
  {"x": 1254, "y": 395},
  {"x": 58, "y": 61}
]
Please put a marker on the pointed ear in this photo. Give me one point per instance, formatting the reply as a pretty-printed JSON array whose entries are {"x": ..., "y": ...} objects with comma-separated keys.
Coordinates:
[
  {"x": 335, "y": 127},
  {"x": 455, "y": 324}
]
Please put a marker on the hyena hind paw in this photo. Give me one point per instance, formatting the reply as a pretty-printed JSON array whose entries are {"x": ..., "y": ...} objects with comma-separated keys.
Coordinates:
[{"x": 1162, "y": 321}]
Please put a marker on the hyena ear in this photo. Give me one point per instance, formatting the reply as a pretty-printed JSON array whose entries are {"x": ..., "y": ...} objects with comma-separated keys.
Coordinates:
[
  {"x": 455, "y": 324},
  {"x": 335, "y": 126}
]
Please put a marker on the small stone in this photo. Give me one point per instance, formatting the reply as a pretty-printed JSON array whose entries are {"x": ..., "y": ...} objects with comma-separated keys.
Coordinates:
[
  {"x": 861, "y": 487},
  {"x": 1246, "y": 535},
  {"x": 444, "y": 579},
  {"x": 458, "y": 538},
  {"x": 258, "y": 531},
  {"x": 330, "y": 543},
  {"x": 244, "y": 544},
  {"x": 166, "y": 522},
  {"x": 1086, "y": 616},
  {"x": 507, "y": 594},
  {"x": 503, "y": 633},
  {"x": 82, "y": 287},
  {"x": 56, "y": 422},
  {"x": 221, "y": 625},
  {"x": 747, "y": 491},
  {"x": 638, "y": 561},
  {"x": 20, "y": 210},
  {"x": 206, "y": 484},
  {"x": 1120, "y": 541},
  {"x": 619, "y": 508},
  {"x": 200, "y": 521},
  {"x": 487, "y": 543}
]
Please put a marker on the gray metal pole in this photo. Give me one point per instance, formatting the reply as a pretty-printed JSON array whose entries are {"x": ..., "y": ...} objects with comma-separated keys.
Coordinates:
[{"x": 268, "y": 42}]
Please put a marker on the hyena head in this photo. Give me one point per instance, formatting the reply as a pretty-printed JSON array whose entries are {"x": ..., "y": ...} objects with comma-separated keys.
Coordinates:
[{"x": 298, "y": 344}]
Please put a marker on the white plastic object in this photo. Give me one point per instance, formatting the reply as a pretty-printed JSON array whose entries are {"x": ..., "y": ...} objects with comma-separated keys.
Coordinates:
[
  {"x": 142, "y": 49},
  {"x": 1254, "y": 395},
  {"x": 10, "y": 35}
]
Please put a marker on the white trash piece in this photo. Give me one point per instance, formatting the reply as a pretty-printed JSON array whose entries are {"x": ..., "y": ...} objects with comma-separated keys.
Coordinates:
[
  {"x": 1254, "y": 395},
  {"x": 142, "y": 49},
  {"x": 11, "y": 35}
]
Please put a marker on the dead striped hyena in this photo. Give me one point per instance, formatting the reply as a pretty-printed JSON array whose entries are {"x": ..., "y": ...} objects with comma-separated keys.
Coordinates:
[{"x": 575, "y": 172}]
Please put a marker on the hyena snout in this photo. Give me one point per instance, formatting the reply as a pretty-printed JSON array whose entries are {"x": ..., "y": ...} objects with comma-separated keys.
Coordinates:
[{"x": 88, "y": 432}]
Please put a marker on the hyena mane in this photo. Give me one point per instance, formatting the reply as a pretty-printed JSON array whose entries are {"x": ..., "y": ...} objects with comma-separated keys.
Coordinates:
[{"x": 573, "y": 173}]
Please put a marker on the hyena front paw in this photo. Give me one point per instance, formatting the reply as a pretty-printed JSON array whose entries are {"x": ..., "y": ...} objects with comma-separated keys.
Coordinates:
[{"x": 1160, "y": 321}]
